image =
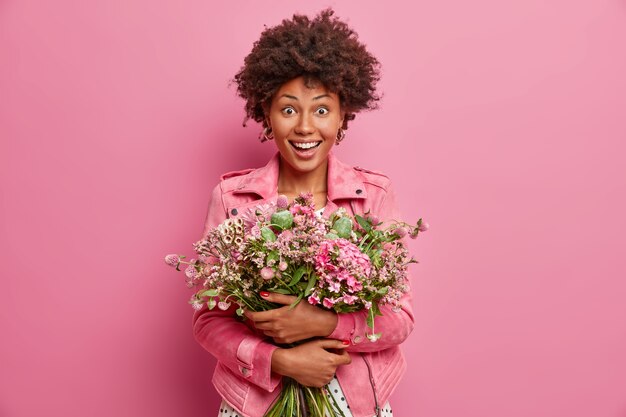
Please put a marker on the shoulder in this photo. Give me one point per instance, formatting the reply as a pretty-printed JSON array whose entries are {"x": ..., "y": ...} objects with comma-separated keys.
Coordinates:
[
  {"x": 231, "y": 180},
  {"x": 373, "y": 178}
]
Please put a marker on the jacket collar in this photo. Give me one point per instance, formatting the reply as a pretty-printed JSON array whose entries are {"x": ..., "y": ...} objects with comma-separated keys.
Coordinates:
[{"x": 343, "y": 180}]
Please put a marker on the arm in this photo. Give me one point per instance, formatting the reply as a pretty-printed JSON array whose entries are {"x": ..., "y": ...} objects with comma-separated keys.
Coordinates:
[
  {"x": 395, "y": 327},
  {"x": 230, "y": 341}
]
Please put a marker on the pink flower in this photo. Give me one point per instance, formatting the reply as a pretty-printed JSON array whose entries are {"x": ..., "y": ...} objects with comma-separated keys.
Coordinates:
[
  {"x": 374, "y": 219},
  {"x": 282, "y": 202},
  {"x": 349, "y": 299},
  {"x": 172, "y": 260},
  {"x": 286, "y": 235},
  {"x": 282, "y": 266},
  {"x": 354, "y": 284},
  {"x": 423, "y": 227},
  {"x": 267, "y": 273},
  {"x": 223, "y": 305},
  {"x": 329, "y": 302},
  {"x": 313, "y": 299},
  {"x": 255, "y": 231},
  {"x": 400, "y": 231}
]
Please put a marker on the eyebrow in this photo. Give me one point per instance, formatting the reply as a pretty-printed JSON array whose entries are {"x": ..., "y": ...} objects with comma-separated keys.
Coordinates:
[{"x": 314, "y": 98}]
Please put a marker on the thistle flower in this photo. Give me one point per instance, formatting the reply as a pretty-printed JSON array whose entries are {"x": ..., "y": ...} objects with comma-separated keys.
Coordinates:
[
  {"x": 172, "y": 260},
  {"x": 282, "y": 202},
  {"x": 267, "y": 273},
  {"x": 190, "y": 272}
]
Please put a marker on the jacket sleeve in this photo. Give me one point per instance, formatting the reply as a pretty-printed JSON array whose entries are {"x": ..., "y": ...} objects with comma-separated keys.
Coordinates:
[
  {"x": 394, "y": 326},
  {"x": 229, "y": 340}
]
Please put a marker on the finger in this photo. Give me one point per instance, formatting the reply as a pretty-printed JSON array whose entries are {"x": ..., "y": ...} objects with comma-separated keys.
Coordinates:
[
  {"x": 333, "y": 343},
  {"x": 264, "y": 325},
  {"x": 259, "y": 316},
  {"x": 274, "y": 297},
  {"x": 345, "y": 358}
]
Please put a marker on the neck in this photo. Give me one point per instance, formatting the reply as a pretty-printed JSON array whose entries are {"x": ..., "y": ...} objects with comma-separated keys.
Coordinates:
[{"x": 295, "y": 182}]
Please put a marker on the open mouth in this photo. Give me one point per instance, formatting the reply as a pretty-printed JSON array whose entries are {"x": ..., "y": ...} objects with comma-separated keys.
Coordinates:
[{"x": 305, "y": 146}]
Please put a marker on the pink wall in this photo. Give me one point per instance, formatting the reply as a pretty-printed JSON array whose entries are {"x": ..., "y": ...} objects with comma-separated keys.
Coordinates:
[{"x": 503, "y": 123}]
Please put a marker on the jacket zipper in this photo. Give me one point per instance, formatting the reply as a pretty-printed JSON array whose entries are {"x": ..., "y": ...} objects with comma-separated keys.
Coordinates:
[{"x": 369, "y": 371}]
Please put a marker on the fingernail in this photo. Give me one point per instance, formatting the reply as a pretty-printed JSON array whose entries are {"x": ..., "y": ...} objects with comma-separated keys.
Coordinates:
[
  {"x": 264, "y": 294},
  {"x": 346, "y": 342}
]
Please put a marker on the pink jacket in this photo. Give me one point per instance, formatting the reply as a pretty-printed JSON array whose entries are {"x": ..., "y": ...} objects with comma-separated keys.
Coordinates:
[{"x": 243, "y": 375}]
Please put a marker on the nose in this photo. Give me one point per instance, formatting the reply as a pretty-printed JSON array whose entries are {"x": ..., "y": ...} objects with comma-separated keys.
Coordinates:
[{"x": 305, "y": 125}]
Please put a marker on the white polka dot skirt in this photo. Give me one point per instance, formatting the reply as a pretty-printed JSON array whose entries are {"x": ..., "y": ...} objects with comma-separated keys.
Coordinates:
[{"x": 227, "y": 411}]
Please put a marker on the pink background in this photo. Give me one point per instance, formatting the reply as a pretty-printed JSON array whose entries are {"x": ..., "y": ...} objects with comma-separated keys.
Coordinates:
[{"x": 503, "y": 125}]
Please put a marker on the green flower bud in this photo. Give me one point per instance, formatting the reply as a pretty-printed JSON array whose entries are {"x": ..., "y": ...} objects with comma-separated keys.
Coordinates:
[
  {"x": 283, "y": 219},
  {"x": 343, "y": 226}
]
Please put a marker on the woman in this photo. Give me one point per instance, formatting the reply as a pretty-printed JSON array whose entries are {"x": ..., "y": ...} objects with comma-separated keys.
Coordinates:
[{"x": 304, "y": 80}]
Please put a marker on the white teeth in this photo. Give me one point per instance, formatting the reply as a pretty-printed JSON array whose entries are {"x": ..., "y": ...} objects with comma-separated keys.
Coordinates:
[{"x": 308, "y": 145}]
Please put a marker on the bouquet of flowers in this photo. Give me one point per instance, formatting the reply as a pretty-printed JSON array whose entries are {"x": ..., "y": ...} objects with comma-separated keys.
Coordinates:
[{"x": 342, "y": 263}]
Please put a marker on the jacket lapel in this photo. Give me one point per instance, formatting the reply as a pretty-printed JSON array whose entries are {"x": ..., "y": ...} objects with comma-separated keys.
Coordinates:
[{"x": 343, "y": 185}]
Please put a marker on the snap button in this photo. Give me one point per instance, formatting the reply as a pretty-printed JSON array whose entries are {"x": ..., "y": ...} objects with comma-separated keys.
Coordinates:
[
  {"x": 244, "y": 371},
  {"x": 233, "y": 212},
  {"x": 359, "y": 191},
  {"x": 356, "y": 339}
]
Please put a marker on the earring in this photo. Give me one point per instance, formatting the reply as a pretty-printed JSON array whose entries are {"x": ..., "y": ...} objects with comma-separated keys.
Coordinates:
[
  {"x": 340, "y": 135},
  {"x": 266, "y": 134}
]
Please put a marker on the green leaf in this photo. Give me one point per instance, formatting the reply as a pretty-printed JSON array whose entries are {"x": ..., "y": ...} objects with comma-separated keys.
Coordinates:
[
  {"x": 209, "y": 293},
  {"x": 281, "y": 291},
  {"x": 331, "y": 236},
  {"x": 311, "y": 283},
  {"x": 370, "y": 318},
  {"x": 295, "y": 303},
  {"x": 376, "y": 310},
  {"x": 296, "y": 276},
  {"x": 211, "y": 303},
  {"x": 239, "y": 311},
  {"x": 273, "y": 256},
  {"x": 363, "y": 223},
  {"x": 268, "y": 235},
  {"x": 383, "y": 291}
]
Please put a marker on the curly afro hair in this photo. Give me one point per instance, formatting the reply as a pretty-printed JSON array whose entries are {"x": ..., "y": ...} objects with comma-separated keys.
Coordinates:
[{"x": 323, "y": 49}]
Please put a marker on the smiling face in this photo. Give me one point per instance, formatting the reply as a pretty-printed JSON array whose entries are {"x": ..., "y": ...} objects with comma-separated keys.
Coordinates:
[{"x": 305, "y": 121}]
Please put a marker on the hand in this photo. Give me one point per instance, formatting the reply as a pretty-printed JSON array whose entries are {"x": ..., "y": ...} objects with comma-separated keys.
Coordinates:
[
  {"x": 312, "y": 364},
  {"x": 285, "y": 325}
]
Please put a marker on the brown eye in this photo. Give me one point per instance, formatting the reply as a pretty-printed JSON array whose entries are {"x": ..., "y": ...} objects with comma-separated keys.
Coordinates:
[
  {"x": 322, "y": 111},
  {"x": 288, "y": 111}
]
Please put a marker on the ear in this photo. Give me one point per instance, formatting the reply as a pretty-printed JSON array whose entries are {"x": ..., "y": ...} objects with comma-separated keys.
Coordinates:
[{"x": 343, "y": 118}]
